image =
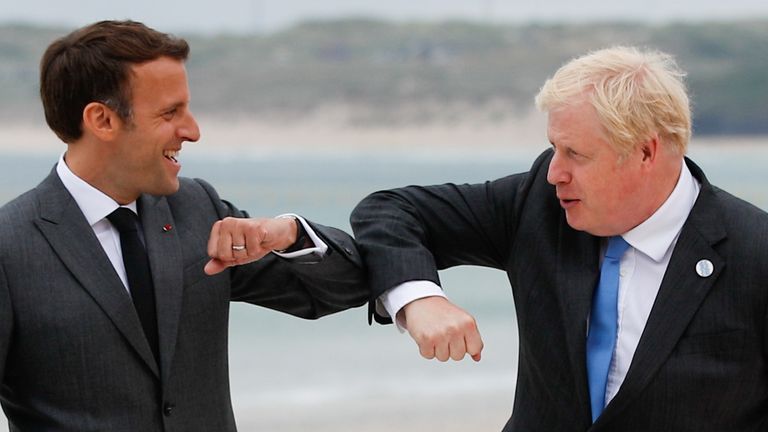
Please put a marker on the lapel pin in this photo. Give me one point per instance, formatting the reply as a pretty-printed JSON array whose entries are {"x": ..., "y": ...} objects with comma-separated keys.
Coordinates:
[
  {"x": 704, "y": 268},
  {"x": 167, "y": 227}
]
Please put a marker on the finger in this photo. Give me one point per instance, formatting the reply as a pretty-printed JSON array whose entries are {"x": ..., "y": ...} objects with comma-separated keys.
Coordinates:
[
  {"x": 457, "y": 349},
  {"x": 214, "y": 266},
  {"x": 442, "y": 352},
  {"x": 427, "y": 350},
  {"x": 224, "y": 246},
  {"x": 239, "y": 243},
  {"x": 474, "y": 343},
  {"x": 213, "y": 240},
  {"x": 254, "y": 234}
]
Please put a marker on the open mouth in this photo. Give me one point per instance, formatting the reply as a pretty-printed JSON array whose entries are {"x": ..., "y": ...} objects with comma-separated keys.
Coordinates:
[{"x": 171, "y": 155}]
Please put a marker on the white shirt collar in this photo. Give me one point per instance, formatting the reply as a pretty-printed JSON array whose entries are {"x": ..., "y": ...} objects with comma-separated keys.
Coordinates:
[
  {"x": 94, "y": 204},
  {"x": 658, "y": 233}
]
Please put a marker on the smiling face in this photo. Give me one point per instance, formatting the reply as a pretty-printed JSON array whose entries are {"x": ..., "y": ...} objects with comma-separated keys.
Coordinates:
[
  {"x": 600, "y": 193},
  {"x": 143, "y": 159}
]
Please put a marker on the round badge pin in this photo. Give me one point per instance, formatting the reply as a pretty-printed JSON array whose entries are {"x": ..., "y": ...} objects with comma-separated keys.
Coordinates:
[{"x": 704, "y": 268}]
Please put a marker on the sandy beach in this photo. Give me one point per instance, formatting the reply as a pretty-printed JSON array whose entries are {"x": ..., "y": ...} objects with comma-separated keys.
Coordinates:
[{"x": 319, "y": 134}]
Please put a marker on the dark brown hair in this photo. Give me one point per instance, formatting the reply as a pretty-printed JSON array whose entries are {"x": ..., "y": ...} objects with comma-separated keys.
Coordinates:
[{"x": 92, "y": 64}]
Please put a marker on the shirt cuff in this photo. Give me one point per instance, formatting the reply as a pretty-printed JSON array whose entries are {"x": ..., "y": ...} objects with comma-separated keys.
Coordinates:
[
  {"x": 396, "y": 298},
  {"x": 319, "y": 247}
]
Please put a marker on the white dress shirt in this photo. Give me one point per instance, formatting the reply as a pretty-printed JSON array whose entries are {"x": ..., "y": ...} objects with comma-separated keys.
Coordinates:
[
  {"x": 640, "y": 273},
  {"x": 641, "y": 270},
  {"x": 96, "y": 205}
]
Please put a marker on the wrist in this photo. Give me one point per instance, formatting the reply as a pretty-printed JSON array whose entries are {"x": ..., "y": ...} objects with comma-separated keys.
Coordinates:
[{"x": 301, "y": 237}]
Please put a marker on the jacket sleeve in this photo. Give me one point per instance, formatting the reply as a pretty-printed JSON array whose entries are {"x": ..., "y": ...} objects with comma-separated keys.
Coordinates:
[
  {"x": 410, "y": 233},
  {"x": 335, "y": 282},
  {"x": 6, "y": 321}
]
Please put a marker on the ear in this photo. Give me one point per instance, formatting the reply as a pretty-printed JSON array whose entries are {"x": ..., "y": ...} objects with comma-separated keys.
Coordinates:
[
  {"x": 650, "y": 149},
  {"x": 101, "y": 121}
]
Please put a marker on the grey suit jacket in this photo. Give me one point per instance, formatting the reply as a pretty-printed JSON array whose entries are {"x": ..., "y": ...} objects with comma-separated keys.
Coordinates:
[
  {"x": 702, "y": 361},
  {"x": 73, "y": 356}
]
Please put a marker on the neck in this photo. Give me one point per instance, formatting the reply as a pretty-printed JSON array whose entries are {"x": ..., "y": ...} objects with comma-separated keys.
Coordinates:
[
  {"x": 89, "y": 162},
  {"x": 662, "y": 183}
]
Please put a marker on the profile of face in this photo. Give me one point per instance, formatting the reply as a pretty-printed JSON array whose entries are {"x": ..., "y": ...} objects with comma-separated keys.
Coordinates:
[
  {"x": 600, "y": 192},
  {"x": 148, "y": 144}
]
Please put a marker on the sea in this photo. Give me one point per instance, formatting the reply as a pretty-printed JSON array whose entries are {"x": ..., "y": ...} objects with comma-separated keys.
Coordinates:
[{"x": 338, "y": 373}]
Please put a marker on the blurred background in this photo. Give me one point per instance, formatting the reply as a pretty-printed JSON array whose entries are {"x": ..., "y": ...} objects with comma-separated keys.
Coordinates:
[{"x": 309, "y": 106}]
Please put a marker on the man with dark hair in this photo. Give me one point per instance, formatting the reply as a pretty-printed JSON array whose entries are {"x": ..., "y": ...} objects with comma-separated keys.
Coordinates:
[
  {"x": 94, "y": 64},
  {"x": 116, "y": 275}
]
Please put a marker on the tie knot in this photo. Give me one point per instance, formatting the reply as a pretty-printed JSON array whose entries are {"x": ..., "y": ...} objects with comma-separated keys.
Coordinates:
[
  {"x": 123, "y": 219},
  {"x": 616, "y": 247}
]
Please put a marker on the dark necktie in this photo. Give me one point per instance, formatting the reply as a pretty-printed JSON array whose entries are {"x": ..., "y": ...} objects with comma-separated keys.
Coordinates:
[
  {"x": 137, "y": 269},
  {"x": 603, "y": 324}
]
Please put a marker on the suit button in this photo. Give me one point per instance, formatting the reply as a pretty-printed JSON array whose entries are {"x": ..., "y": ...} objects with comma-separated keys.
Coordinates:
[
  {"x": 168, "y": 409},
  {"x": 348, "y": 251}
]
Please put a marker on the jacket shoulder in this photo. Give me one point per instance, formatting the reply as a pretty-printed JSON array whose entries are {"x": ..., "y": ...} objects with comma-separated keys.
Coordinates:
[
  {"x": 741, "y": 217},
  {"x": 17, "y": 221},
  {"x": 23, "y": 208}
]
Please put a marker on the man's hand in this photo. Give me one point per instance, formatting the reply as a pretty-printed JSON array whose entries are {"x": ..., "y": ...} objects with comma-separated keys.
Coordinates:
[
  {"x": 236, "y": 241},
  {"x": 441, "y": 329}
]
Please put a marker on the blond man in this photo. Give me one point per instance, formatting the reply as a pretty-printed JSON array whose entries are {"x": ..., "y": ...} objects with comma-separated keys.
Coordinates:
[{"x": 640, "y": 288}]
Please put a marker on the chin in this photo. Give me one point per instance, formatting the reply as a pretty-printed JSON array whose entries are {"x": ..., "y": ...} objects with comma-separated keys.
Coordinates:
[
  {"x": 573, "y": 221},
  {"x": 168, "y": 189},
  {"x": 173, "y": 189},
  {"x": 580, "y": 225}
]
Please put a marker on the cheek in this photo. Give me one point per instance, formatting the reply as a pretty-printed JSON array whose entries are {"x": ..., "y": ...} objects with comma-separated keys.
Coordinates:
[
  {"x": 605, "y": 192},
  {"x": 620, "y": 196},
  {"x": 594, "y": 184}
]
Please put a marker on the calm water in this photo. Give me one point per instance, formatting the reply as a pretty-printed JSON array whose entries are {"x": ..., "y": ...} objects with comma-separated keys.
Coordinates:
[{"x": 339, "y": 374}]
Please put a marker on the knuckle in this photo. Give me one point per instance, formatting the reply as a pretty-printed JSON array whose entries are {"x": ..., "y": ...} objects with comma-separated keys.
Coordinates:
[
  {"x": 250, "y": 227},
  {"x": 437, "y": 338},
  {"x": 427, "y": 338},
  {"x": 421, "y": 337},
  {"x": 426, "y": 342},
  {"x": 452, "y": 329}
]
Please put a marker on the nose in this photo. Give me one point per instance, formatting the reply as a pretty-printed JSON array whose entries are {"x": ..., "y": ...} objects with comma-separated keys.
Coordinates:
[
  {"x": 189, "y": 130},
  {"x": 557, "y": 172}
]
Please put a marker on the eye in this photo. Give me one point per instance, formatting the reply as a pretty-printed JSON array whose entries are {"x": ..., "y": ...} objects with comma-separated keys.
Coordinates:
[{"x": 168, "y": 115}]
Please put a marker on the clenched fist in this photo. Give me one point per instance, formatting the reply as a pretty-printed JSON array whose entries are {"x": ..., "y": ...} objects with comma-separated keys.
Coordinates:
[
  {"x": 441, "y": 329},
  {"x": 236, "y": 241}
]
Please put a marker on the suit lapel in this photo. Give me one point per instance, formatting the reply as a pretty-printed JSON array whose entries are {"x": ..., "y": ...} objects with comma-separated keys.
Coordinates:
[
  {"x": 681, "y": 293},
  {"x": 164, "y": 251},
  {"x": 578, "y": 255},
  {"x": 72, "y": 239}
]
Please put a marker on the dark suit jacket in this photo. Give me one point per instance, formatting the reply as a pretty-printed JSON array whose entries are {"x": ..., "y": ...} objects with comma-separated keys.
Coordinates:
[
  {"x": 73, "y": 356},
  {"x": 701, "y": 364}
]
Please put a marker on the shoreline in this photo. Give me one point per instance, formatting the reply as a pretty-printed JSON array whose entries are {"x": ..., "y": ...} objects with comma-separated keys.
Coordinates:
[{"x": 243, "y": 138}]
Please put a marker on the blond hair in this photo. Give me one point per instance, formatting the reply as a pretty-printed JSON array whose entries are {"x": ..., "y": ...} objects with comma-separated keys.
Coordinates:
[{"x": 635, "y": 93}]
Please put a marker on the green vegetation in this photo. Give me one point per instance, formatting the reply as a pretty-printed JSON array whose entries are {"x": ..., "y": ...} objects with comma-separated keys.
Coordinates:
[{"x": 411, "y": 73}]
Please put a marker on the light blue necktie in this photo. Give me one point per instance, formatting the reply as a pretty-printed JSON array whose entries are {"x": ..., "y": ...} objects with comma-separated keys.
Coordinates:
[{"x": 603, "y": 323}]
